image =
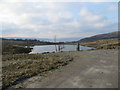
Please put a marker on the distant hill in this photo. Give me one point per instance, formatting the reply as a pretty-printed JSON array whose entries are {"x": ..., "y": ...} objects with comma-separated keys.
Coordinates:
[{"x": 111, "y": 35}]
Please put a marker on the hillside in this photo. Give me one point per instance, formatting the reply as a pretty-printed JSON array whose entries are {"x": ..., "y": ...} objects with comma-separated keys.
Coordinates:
[{"x": 111, "y": 35}]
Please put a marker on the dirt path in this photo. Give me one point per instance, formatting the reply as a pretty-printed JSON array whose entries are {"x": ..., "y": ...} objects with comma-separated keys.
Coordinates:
[{"x": 90, "y": 69}]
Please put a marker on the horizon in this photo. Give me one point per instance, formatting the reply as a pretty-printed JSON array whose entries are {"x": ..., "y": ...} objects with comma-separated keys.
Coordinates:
[
  {"x": 57, "y": 39},
  {"x": 64, "y": 20},
  {"x": 46, "y": 39}
]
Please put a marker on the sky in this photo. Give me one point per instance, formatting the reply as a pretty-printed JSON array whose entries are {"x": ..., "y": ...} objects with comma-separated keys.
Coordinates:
[{"x": 61, "y": 19}]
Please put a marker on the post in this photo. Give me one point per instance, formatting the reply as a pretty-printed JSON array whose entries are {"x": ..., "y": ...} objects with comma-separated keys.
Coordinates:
[
  {"x": 55, "y": 44},
  {"x": 59, "y": 48},
  {"x": 78, "y": 47}
]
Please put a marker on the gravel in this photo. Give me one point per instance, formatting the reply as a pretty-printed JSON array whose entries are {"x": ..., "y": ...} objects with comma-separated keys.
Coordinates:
[{"x": 89, "y": 69}]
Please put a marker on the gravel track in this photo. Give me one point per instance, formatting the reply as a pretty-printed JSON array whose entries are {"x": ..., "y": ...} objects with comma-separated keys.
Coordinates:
[{"x": 89, "y": 69}]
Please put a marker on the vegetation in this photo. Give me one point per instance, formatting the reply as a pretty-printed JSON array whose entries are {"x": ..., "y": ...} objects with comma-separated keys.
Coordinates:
[
  {"x": 103, "y": 44},
  {"x": 17, "y": 65},
  {"x": 16, "y": 46},
  {"x": 20, "y": 66},
  {"x": 112, "y": 35}
]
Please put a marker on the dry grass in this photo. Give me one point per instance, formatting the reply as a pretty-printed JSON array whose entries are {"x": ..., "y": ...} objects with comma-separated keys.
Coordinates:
[
  {"x": 21, "y": 66},
  {"x": 103, "y": 44}
]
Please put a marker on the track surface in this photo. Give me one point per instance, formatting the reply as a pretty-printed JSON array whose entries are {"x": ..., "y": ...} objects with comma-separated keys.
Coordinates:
[{"x": 90, "y": 69}]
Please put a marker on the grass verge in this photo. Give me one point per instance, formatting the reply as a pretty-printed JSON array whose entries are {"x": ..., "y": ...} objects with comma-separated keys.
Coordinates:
[{"x": 22, "y": 66}]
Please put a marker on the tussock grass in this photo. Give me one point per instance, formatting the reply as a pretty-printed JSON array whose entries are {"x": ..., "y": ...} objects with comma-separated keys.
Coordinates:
[
  {"x": 21, "y": 66},
  {"x": 103, "y": 44}
]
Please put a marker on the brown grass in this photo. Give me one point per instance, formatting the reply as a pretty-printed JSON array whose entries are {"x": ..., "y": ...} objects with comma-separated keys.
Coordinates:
[
  {"x": 21, "y": 66},
  {"x": 103, "y": 44}
]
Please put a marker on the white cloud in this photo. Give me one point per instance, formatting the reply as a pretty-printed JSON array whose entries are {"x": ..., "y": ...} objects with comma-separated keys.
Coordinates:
[
  {"x": 49, "y": 19},
  {"x": 91, "y": 19},
  {"x": 89, "y": 16},
  {"x": 8, "y": 15}
]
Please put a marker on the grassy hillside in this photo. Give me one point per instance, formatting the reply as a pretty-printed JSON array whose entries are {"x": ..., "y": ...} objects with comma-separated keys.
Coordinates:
[
  {"x": 103, "y": 44},
  {"x": 112, "y": 35}
]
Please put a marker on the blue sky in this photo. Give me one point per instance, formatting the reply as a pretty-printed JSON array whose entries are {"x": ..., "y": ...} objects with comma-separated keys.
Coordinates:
[{"x": 63, "y": 19}]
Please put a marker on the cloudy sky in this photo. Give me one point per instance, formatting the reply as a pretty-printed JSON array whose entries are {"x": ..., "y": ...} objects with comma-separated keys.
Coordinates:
[{"x": 63, "y": 19}]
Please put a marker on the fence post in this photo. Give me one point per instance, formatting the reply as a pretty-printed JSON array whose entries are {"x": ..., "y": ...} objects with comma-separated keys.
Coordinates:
[
  {"x": 78, "y": 47},
  {"x": 59, "y": 48},
  {"x": 55, "y": 43}
]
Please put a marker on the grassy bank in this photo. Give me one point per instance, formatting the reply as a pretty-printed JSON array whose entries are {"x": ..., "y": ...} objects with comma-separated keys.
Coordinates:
[
  {"x": 20, "y": 66},
  {"x": 103, "y": 44},
  {"x": 14, "y": 47}
]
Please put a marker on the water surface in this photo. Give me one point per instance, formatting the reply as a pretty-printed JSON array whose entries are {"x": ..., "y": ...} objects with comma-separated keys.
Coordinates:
[{"x": 51, "y": 48}]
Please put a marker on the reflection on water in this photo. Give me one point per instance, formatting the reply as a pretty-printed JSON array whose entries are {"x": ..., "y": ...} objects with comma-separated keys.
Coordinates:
[{"x": 51, "y": 48}]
